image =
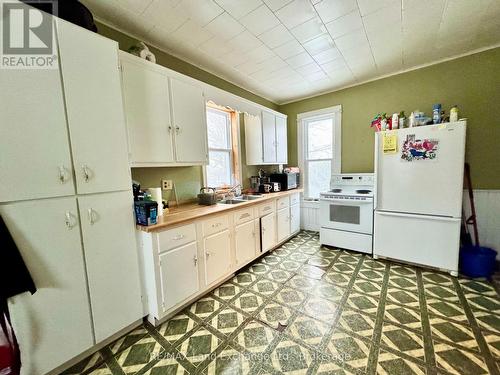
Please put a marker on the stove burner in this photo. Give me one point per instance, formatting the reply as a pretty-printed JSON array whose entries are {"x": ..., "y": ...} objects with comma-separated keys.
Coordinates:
[
  {"x": 336, "y": 190},
  {"x": 363, "y": 191}
]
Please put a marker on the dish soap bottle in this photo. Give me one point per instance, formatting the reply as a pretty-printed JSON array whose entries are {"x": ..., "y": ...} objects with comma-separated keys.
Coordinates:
[{"x": 454, "y": 113}]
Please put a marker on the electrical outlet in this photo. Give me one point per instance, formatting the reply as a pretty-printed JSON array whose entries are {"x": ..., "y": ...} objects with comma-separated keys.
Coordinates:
[{"x": 166, "y": 184}]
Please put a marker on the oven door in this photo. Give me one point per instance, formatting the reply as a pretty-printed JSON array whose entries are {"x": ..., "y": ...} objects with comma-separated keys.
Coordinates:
[{"x": 347, "y": 214}]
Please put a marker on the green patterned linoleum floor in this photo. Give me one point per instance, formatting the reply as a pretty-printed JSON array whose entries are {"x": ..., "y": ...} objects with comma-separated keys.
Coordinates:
[{"x": 303, "y": 309}]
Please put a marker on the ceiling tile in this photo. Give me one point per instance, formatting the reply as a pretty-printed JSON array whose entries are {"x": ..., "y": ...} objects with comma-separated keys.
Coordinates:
[
  {"x": 239, "y": 8},
  {"x": 260, "y": 53},
  {"x": 214, "y": 47},
  {"x": 330, "y": 10},
  {"x": 345, "y": 24},
  {"x": 308, "y": 69},
  {"x": 273, "y": 63},
  {"x": 369, "y": 6},
  {"x": 244, "y": 41},
  {"x": 165, "y": 16},
  {"x": 316, "y": 76},
  {"x": 259, "y": 20},
  {"x": 201, "y": 12},
  {"x": 296, "y": 13},
  {"x": 276, "y": 36},
  {"x": 308, "y": 30},
  {"x": 289, "y": 49},
  {"x": 334, "y": 65},
  {"x": 327, "y": 55},
  {"x": 248, "y": 67},
  {"x": 274, "y": 5},
  {"x": 300, "y": 60},
  {"x": 319, "y": 44},
  {"x": 358, "y": 55},
  {"x": 354, "y": 39},
  {"x": 192, "y": 33},
  {"x": 234, "y": 58},
  {"x": 392, "y": 21},
  {"x": 225, "y": 27}
]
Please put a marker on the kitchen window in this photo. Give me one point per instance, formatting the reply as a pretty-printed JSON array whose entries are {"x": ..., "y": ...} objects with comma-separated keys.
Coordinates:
[
  {"x": 222, "y": 148},
  {"x": 319, "y": 149}
]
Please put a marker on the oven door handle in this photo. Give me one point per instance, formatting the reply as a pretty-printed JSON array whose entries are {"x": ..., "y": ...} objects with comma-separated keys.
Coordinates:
[{"x": 348, "y": 201}]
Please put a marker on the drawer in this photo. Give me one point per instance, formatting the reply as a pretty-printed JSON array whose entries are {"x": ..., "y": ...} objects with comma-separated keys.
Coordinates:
[
  {"x": 176, "y": 237},
  {"x": 243, "y": 216},
  {"x": 283, "y": 202},
  {"x": 294, "y": 199},
  {"x": 266, "y": 208},
  {"x": 215, "y": 224}
]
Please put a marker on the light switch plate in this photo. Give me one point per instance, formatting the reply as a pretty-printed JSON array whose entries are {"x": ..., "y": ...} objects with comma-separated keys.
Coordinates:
[{"x": 166, "y": 184}]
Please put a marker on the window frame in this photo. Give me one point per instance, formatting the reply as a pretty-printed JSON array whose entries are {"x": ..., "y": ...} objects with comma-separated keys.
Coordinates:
[
  {"x": 234, "y": 149},
  {"x": 335, "y": 113}
]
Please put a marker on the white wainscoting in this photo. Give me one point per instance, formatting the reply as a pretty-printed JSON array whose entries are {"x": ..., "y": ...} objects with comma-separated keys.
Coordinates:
[
  {"x": 309, "y": 215},
  {"x": 487, "y": 204}
]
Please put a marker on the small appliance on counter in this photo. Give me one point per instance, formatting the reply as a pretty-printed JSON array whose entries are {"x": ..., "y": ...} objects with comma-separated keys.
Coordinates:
[
  {"x": 287, "y": 180},
  {"x": 346, "y": 212},
  {"x": 207, "y": 196},
  {"x": 261, "y": 183},
  {"x": 146, "y": 212}
]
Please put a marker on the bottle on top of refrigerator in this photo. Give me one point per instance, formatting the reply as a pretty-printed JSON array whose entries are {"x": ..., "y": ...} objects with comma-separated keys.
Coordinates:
[
  {"x": 454, "y": 113},
  {"x": 412, "y": 120},
  {"x": 395, "y": 121},
  {"x": 436, "y": 113}
]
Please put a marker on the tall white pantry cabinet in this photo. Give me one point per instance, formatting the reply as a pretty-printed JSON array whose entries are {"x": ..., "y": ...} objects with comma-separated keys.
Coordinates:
[{"x": 65, "y": 197}]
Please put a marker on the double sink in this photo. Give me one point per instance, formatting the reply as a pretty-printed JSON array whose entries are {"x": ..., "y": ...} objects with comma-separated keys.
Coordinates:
[{"x": 241, "y": 199}]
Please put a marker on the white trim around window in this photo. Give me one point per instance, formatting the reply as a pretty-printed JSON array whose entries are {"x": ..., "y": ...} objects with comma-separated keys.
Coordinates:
[{"x": 335, "y": 113}]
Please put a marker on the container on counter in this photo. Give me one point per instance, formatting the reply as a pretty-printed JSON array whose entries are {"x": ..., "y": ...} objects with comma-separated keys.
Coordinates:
[
  {"x": 146, "y": 212},
  {"x": 402, "y": 120},
  {"x": 395, "y": 121}
]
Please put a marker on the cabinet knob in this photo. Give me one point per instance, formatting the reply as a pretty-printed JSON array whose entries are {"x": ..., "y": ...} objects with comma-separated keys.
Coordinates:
[
  {"x": 195, "y": 260},
  {"x": 207, "y": 254},
  {"x": 177, "y": 129},
  {"x": 178, "y": 237},
  {"x": 86, "y": 173},
  {"x": 63, "y": 174},
  {"x": 170, "y": 128},
  {"x": 70, "y": 220}
]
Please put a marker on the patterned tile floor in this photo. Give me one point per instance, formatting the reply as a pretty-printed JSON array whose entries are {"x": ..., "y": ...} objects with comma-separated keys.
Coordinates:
[{"x": 304, "y": 309}]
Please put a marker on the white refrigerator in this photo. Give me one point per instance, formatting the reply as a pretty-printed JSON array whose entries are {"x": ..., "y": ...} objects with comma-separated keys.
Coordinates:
[{"x": 418, "y": 200}]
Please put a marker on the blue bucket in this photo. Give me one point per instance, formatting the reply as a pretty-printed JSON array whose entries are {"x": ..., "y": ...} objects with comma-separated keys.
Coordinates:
[{"x": 477, "y": 261}]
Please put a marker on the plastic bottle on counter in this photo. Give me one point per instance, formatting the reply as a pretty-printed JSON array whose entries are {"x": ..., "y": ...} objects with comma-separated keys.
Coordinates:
[
  {"x": 436, "y": 113},
  {"x": 412, "y": 120},
  {"x": 395, "y": 121}
]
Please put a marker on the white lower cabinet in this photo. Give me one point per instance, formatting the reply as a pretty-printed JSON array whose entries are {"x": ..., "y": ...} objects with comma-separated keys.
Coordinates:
[
  {"x": 53, "y": 325},
  {"x": 294, "y": 218},
  {"x": 217, "y": 250},
  {"x": 179, "y": 275},
  {"x": 283, "y": 223},
  {"x": 268, "y": 232},
  {"x": 111, "y": 258},
  {"x": 245, "y": 239}
]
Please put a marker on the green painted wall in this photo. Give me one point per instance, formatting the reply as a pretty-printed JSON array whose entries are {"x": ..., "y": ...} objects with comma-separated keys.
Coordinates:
[
  {"x": 472, "y": 82},
  {"x": 188, "y": 180}
]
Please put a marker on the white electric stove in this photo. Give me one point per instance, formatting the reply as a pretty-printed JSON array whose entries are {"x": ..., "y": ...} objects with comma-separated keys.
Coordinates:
[{"x": 346, "y": 212}]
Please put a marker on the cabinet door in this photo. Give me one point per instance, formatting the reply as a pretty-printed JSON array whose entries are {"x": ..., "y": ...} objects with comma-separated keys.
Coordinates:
[
  {"x": 92, "y": 89},
  {"x": 147, "y": 110},
  {"x": 245, "y": 242},
  {"x": 283, "y": 224},
  {"x": 112, "y": 261},
  {"x": 189, "y": 122},
  {"x": 281, "y": 141},
  {"x": 269, "y": 137},
  {"x": 268, "y": 232},
  {"x": 53, "y": 325},
  {"x": 253, "y": 139},
  {"x": 217, "y": 248},
  {"x": 294, "y": 218},
  {"x": 179, "y": 275},
  {"x": 35, "y": 159}
]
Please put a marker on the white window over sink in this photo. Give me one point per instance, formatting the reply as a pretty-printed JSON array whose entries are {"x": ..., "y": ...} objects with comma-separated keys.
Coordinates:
[
  {"x": 319, "y": 149},
  {"x": 222, "y": 130}
]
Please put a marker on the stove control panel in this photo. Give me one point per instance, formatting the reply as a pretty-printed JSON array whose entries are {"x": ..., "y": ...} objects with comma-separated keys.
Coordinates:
[{"x": 366, "y": 179}]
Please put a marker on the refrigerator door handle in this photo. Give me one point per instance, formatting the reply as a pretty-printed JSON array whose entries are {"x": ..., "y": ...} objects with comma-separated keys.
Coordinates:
[{"x": 427, "y": 217}]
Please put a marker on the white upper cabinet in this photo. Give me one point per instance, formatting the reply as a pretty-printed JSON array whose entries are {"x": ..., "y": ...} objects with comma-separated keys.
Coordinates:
[
  {"x": 269, "y": 137},
  {"x": 266, "y": 139},
  {"x": 35, "y": 158},
  {"x": 112, "y": 263},
  {"x": 166, "y": 119},
  {"x": 147, "y": 110},
  {"x": 281, "y": 141},
  {"x": 189, "y": 122},
  {"x": 92, "y": 89}
]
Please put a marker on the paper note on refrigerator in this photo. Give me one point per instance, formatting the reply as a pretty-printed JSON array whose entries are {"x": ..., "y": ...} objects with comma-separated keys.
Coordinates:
[{"x": 390, "y": 143}]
